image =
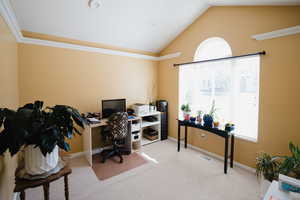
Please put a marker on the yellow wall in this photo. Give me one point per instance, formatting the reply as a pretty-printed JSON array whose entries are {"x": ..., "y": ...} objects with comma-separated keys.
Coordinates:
[
  {"x": 82, "y": 79},
  {"x": 280, "y": 69},
  {"x": 8, "y": 99}
]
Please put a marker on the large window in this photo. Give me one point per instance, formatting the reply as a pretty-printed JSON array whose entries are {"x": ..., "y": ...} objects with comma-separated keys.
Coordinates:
[{"x": 233, "y": 85}]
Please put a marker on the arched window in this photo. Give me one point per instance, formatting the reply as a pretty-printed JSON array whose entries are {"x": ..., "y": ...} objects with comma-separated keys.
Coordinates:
[
  {"x": 232, "y": 85},
  {"x": 212, "y": 48}
]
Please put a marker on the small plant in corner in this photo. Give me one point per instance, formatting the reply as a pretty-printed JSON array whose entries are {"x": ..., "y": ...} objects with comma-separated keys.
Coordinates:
[
  {"x": 40, "y": 132},
  {"x": 269, "y": 167}
]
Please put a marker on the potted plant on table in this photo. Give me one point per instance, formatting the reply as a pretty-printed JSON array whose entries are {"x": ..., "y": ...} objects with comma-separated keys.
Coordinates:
[
  {"x": 199, "y": 116},
  {"x": 269, "y": 167},
  {"x": 40, "y": 132},
  {"x": 185, "y": 108},
  {"x": 209, "y": 118},
  {"x": 229, "y": 127}
]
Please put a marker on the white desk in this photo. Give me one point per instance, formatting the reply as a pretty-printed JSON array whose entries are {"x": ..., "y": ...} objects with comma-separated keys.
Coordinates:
[
  {"x": 87, "y": 138},
  {"x": 87, "y": 134}
]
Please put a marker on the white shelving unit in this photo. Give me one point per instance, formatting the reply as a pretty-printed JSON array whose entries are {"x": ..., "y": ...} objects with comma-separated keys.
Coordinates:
[
  {"x": 155, "y": 125},
  {"x": 148, "y": 124},
  {"x": 136, "y": 133}
]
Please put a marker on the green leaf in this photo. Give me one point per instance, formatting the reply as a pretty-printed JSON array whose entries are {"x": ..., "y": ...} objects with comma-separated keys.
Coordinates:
[{"x": 67, "y": 147}]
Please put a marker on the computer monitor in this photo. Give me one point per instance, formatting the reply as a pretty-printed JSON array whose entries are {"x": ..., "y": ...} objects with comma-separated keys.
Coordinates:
[{"x": 112, "y": 106}]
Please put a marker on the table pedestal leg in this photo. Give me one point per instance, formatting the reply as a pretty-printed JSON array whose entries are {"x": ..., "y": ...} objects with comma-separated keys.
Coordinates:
[
  {"x": 46, "y": 191},
  {"x": 66, "y": 187},
  {"x": 178, "y": 137},
  {"x": 232, "y": 151},
  {"x": 185, "y": 136},
  {"x": 226, "y": 155}
]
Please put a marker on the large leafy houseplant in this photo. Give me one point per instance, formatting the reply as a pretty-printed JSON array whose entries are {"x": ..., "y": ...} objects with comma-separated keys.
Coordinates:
[{"x": 43, "y": 128}]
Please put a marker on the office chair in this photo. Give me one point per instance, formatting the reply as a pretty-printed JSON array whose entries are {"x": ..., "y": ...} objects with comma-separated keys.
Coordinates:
[{"x": 118, "y": 130}]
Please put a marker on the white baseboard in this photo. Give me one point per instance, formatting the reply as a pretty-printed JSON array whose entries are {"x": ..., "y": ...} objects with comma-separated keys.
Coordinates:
[
  {"x": 94, "y": 151},
  {"x": 250, "y": 169}
]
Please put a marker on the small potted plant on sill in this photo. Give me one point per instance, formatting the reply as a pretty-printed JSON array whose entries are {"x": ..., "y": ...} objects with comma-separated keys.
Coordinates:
[
  {"x": 40, "y": 132},
  {"x": 229, "y": 127},
  {"x": 209, "y": 118},
  {"x": 269, "y": 167},
  {"x": 193, "y": 119},
  {"x": 216, "y": 123},
  {"x": 199, "y": 116},
  {"x": 185, "y": 108}
]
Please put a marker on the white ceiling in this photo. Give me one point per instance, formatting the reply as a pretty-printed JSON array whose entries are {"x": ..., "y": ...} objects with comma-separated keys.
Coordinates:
[{"x": 147, "y": 25}]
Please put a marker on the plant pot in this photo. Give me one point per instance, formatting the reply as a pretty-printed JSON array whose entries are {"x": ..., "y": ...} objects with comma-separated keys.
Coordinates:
[
  {"x": 36, "y": 163},
  {"x": 216, "y": 124},
  {"x": 186, "y": 116},
  {"x": 199, "y": 119},
  {"x": 264, "y": 186},
  {"x": 193, "y": 119},
  {"x": 229, "y": 128},
  {"x": 208, "y": 121}
]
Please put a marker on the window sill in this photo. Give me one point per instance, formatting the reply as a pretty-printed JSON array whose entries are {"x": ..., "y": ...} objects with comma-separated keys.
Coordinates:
[{"x": 248, "y": 139}]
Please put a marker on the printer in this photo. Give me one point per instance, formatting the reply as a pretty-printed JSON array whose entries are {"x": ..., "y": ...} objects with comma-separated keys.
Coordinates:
[{"x": 140, "y": 109}]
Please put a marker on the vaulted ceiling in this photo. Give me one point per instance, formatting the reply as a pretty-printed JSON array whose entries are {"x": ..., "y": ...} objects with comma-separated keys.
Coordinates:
[{"x": 147, "y": 25}]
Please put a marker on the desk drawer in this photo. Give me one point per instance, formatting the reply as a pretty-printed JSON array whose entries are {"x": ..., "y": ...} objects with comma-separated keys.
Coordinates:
[
  {"x": 135, "y": 136},
  {"x": 135, "y": 127}
]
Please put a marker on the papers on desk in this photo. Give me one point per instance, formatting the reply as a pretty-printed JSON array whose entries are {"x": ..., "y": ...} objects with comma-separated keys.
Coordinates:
[{"x": 93, "y": 120}]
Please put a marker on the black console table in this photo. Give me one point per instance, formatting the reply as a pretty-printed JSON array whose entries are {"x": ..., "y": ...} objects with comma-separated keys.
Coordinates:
[{"x": 222, "y": 133}]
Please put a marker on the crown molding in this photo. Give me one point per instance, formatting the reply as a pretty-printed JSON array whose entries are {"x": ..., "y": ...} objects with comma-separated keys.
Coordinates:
[
  {"x": 26, "y": 40},
  {"x": 64, "y": 45},
  {"x": 10, "y": 18},
  {"x": 278, "y": 33},
  {"x": 169, "y": 56}
]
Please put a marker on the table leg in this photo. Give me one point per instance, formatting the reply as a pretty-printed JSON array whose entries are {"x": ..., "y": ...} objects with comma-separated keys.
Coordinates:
[
  {"x": 22, "y": 195},
  {"x": 226, "y": 155},
  {"x": 185, "y": 136},
  {"x": 232, "y": 151},
  {"x": 46, "y": 191},
  {"x": 66, "y": 187},
  {"x": 178, "y": 137}
]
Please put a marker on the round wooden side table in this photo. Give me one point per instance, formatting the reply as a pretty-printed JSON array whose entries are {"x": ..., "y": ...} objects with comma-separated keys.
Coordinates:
[{"x": 23, "y": 184}]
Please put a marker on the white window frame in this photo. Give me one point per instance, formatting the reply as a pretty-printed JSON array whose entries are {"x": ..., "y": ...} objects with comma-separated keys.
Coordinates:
[{"x": 196, "y": 58}]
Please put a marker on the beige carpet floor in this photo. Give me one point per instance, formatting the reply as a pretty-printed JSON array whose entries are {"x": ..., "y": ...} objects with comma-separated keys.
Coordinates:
[{"x": 168, "y": 175}]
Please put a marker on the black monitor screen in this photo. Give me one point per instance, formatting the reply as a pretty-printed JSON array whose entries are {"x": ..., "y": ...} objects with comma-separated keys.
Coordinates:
[{"x": 112, "y": 106}]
